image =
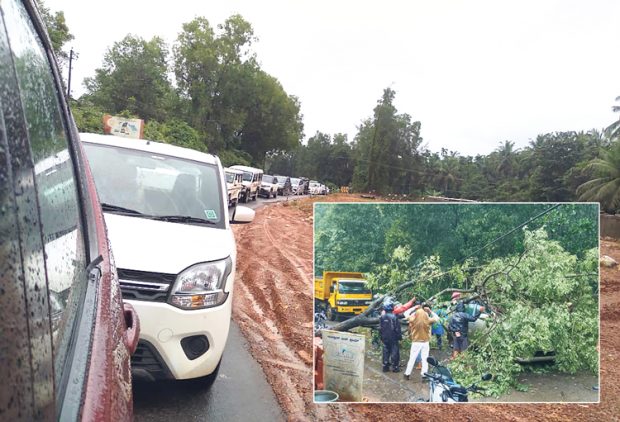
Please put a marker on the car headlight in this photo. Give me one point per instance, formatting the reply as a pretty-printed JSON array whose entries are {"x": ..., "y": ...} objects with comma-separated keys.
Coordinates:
[
  {"x": 342, "y": 303},
  {"x": 201, "y": 285}
]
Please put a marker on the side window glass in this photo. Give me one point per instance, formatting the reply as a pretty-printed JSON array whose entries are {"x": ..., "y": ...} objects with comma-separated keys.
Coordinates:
[{"x": 65, "y": 257}]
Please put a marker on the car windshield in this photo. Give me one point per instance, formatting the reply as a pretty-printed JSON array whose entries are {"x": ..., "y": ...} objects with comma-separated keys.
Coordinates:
[
  {"x": 144, "y": 184},
  {"x": 230, "y": 177},
  {"x": 247, "y": 176},
  {"x": 353, "y": 287},
  {"x": 313, "y": 184},
  {"x": 295, "y": 181},
  {"x": 267, "y": 179}
]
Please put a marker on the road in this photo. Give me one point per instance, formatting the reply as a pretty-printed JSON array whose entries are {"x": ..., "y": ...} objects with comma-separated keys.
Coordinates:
[{"x": 240, "y": 389}]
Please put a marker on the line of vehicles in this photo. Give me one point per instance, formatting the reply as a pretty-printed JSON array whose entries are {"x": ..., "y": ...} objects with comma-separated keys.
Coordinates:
[{"x": 246, "y": 183}]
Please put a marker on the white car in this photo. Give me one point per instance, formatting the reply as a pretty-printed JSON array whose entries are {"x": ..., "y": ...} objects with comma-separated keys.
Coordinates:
[
  {"x": 234, "y": 184},
  {"x": 315, "y": 187},
  {"x": 167, "y": 216},
  {"x": 269, "y": 186}
]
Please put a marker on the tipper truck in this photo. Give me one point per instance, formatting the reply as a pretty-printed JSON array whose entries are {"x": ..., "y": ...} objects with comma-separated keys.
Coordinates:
[{"x": 342, "y": 293}]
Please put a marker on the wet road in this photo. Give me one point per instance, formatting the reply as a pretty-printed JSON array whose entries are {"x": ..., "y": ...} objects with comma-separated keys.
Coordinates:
[{"x": 240, "y": 392}]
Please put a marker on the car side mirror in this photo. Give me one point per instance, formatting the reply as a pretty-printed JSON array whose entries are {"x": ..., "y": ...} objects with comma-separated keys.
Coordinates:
[
  {"x": 431, "y": 361},
  {"x": 487, "y": 377},
  {"x": 242, "y": 215}
]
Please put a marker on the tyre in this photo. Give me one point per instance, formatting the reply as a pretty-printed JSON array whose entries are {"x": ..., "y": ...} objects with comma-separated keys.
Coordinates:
[{"x": 207, "y": 381}]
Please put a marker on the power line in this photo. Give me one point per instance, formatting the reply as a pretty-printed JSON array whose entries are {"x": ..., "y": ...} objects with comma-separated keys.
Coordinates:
[{"x": 512, "y": 231}]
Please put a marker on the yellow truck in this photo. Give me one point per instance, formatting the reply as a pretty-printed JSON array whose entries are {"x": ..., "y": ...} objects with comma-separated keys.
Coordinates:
[{"x": 342, "y": 293}]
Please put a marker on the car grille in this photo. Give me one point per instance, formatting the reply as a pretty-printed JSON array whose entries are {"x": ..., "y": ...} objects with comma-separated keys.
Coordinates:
[
  {"x": 362, "y": 302},
  {"x": 144, "y": 285},
  {"x": 146, "y": 358}
]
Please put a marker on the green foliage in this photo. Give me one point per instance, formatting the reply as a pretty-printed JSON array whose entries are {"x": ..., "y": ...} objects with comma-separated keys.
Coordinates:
[
  {"x": 133, "y": 78},
  {"x": 88, "y": 117},
  {"x": 541, "y": 307},
  {"x": 605, "y": 186},
  {"x": 57, "y": 30}
]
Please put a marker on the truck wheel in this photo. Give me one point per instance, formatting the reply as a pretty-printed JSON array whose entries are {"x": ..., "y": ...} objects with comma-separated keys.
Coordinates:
[{"x": 331, "y": 314}]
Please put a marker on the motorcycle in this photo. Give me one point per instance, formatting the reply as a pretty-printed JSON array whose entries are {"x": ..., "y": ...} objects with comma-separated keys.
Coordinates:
[{"x": 443, "y": 388}]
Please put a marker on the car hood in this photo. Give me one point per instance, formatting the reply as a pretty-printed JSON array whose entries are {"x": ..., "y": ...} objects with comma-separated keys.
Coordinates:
[{"x": 159, "y": 246}]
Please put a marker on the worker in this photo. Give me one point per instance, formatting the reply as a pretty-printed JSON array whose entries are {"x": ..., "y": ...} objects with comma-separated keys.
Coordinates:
[
  {"x": 459, "y": 327},
  {"x": 389, "y": 329}
]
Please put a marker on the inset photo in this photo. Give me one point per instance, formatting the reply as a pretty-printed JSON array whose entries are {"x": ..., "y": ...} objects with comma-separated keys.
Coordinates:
[{"x": 455, "y": 302}]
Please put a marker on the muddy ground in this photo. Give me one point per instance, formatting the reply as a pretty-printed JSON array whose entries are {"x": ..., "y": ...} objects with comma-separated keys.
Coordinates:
[{"x": 273, "y": 307}]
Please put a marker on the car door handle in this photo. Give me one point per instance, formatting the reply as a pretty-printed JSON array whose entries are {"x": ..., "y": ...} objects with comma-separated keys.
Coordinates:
[{"x": 132, "y": 334}]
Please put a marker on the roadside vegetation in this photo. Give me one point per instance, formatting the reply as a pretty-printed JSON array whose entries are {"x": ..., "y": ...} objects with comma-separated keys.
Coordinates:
[
  {"x": 540, "y": 282},
  {"x": 207, "y": 91}
]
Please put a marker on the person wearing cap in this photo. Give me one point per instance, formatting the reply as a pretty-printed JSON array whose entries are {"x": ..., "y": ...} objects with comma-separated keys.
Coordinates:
[
  {"x": 459, "y": 326},
  {"x": 390, "y": 332},
  {"x": 420, "y": 332}
]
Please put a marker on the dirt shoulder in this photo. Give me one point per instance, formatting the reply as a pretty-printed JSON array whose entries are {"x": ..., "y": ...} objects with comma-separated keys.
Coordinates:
[{"x": 273, "y": 307}]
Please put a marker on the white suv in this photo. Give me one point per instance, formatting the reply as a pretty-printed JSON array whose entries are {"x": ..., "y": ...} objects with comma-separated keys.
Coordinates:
[{"x": 167, "y": 216}]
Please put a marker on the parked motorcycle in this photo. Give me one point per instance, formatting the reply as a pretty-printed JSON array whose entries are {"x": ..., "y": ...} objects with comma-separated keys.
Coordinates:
[{"x": 443, "y": 388}]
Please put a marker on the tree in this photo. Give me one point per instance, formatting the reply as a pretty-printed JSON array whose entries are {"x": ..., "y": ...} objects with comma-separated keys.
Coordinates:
[
  {"x": 133, "y": 78},
  {"x": 605, "y": 187},
  {"x": 57, "y": 30}
]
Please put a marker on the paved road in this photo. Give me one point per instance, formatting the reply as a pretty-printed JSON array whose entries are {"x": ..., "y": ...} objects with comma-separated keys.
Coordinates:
[{"x": 240, "y": 392}]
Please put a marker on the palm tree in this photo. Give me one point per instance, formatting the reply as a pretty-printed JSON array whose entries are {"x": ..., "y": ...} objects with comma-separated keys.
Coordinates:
[
  {"x": 605, "y": 188},
  {"x": 507, "y": 158}
]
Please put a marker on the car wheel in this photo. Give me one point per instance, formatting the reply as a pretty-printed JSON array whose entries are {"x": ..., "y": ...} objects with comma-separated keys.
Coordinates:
[{"x": 207, "y": 381}]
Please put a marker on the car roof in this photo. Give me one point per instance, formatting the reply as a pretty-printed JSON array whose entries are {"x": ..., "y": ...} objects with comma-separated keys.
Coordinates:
[
  {"x": 148, "y": 146},
  {"x": 246, "y": 168},
  {"x": 235, "y": 171}
]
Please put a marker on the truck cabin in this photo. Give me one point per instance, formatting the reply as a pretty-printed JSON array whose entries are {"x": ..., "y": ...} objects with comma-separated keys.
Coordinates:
[{"x": 358, "y": 287}]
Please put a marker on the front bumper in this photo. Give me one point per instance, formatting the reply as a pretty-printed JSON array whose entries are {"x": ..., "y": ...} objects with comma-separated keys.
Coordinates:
[
  {"x": 351, "y": 310},
  {"x": 163, "y": 326}
]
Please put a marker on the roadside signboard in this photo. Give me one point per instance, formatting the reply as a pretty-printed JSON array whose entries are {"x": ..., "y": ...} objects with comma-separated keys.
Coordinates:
[
  {"x": 121, "y": 126},
  {"x": 343, "y": 364}
]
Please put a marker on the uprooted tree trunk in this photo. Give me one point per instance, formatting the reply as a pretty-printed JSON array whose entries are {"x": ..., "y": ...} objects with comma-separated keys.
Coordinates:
[{"x": 365, "y": 320}]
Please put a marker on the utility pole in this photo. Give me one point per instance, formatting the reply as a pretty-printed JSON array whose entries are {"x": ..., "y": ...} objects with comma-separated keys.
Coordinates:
[{"x": 69, "y": 77}]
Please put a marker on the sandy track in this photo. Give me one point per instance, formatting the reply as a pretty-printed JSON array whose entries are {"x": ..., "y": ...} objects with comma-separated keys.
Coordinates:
[{"x": 273, "y": 307}]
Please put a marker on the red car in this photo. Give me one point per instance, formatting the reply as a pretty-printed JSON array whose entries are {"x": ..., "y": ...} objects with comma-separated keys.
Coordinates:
[{"x": 66, "y": 338}]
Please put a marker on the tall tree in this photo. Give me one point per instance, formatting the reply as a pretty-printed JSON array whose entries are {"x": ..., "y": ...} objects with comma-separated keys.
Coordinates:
[
  {"x": 57, "y": 30},
  {"x": 133, "y": 78}
]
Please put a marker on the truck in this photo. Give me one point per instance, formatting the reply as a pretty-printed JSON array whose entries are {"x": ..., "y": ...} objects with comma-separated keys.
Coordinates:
[{"x": 342, "y": 293}]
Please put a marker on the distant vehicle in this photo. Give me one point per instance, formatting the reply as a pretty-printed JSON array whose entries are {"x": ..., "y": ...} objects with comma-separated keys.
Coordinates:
[
  {"x": 297, "y": 186},
  {"x": 342, "y": 293},
  {"x": 306, "y": 188},
  {"x": 252, "y": 179},
  {"x": 315, "y": 187},
  {"x": 169, "y": 225},
  {"x": 67, "y": 336},
  {"x": 269, "y": 186},
  {"x": 284, "y": 185},
  {"x": 323, "y": 190},
  {"x": 234, "y": 185}
]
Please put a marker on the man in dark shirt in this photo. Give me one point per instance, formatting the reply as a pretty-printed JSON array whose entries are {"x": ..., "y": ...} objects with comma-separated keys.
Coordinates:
[{"x": 389, "y": 329}]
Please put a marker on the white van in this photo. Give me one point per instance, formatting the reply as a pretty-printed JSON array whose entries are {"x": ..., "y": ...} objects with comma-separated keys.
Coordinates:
[
  {"x": 234, "y": 184},
  {"x": 252, "y": 179},
  {"x": 166, "y": 210}
]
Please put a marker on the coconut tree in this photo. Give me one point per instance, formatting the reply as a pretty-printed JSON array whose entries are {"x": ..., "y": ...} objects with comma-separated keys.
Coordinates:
[{"x": 605, "y": 187}]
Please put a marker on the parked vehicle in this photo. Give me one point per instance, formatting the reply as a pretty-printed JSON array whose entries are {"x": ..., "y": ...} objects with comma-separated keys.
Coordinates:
[
  {"x": 234, "y": 185},
  {"x": 443, "y": 388},
  {"x": 297, "y": 186},
  {"x": 315, "y": 187},
  {"x": 168, "y": 222},
  {"x": 342, "y": 293},
  {"x": 252, "y": 179},
  {"x": 269, "y": 186},
  {"x": 306, "y": 185},
  {"x": 66, "y": 334},
  {"x": 284, "y": 185}
]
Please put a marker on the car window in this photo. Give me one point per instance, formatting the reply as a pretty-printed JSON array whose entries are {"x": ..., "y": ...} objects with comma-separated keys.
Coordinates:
[
  {"x": 65, "y": 255},
  {"x": 155, "y": 184}
]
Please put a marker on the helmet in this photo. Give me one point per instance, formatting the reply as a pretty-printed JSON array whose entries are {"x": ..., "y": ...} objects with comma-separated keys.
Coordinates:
[
  {"x": 456, "y": 295},
  {"x": 388, "y": 306}
]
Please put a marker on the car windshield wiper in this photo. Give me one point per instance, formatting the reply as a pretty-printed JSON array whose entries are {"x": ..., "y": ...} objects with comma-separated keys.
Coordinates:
[
  {"x": 181, "y": 219},
  {"x": 119, "y": 209}
]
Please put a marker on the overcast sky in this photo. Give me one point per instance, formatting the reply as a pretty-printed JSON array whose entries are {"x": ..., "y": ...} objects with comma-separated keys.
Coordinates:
[{"x": 475, "y": 73}]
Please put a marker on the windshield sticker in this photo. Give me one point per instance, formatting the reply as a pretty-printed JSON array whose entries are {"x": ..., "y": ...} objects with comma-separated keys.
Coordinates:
[{"x": 211, "y": 215}]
